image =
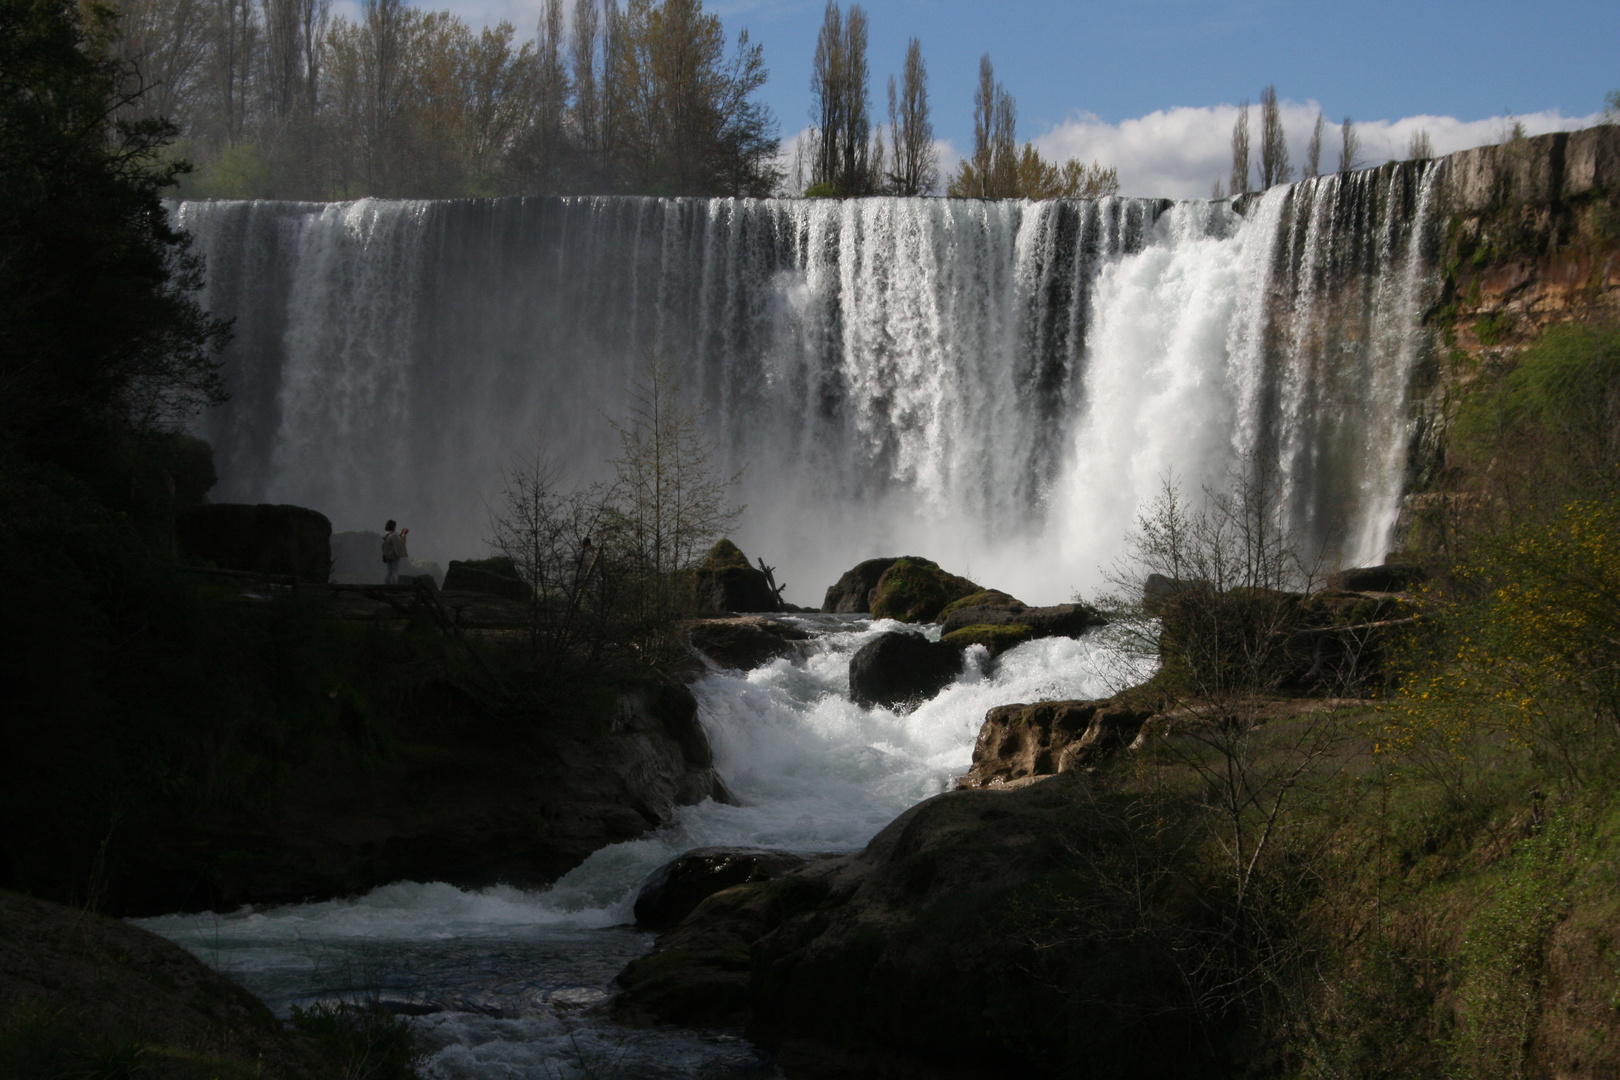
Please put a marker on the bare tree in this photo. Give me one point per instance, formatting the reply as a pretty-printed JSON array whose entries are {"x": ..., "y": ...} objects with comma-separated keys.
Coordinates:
[
  {"x": 1349, "y": 147},
  {"x": 1313, "y": 152},
  {"x": 1239, "y": 182},
  {"x": 915, "y": 162},
  {"x": 1217, "y": 191},
  {"x": 670, "y": 502},
  {"x": 1274, "y": 167},
  {"x": 1419, "y": 148},
  {"x": 991, "y": 171}
]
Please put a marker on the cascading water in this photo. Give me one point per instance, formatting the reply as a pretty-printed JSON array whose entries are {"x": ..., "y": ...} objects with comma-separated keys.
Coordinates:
[
  {"x": 498, "y": 977},
  {"x": 997, "y": 385}
]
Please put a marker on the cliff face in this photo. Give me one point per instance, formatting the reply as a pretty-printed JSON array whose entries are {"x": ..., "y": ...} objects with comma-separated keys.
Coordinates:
[{"x": 1531, "y": 239}]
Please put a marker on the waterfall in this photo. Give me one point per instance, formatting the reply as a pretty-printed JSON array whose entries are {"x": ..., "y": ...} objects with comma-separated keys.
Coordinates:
[{"x": 1000, "y": 386}]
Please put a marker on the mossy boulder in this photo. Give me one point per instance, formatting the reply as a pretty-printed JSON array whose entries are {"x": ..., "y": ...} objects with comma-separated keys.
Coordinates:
[
  {"x": 915, "y": 590},
  {"x": 985, "y": 598},
  {"x": 728, "y": 582},
  {"x": 997, "y": 637},
  {"x": 852, "y": 595}
]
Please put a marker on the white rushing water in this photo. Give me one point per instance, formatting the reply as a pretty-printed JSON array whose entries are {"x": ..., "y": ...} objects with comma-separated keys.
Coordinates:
[
  {"x": 999, "y": 386},
  {"x": 499, "y": 976}
]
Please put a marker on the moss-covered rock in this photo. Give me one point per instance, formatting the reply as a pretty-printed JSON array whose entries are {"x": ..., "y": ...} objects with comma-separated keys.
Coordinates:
[
  {"x": 915, "y": 589},
  {"x": 728, "y": 582},
  {"x": 998, "y": 638},
  {"x": 984, "y": 598},
  {"x": 852, "y": 595}
]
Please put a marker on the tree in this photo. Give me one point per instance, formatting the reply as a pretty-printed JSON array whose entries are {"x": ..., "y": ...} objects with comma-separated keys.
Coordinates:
[
  {"x": 991, "y": 172},
  {"x": 1039, "y": 178},
  {"x": 1419, "y": 148},
  {"x": 582, "y": 51},
  {"x": 915, "y": 162},
  {"x": 1239, "y": 182},
  {"x": 100, "y": 331},
  {"x": 670, "y": 501},
  {"x": 841, "y": 121},
  {"x": 1313, "y": 152},
  {"x": 1274, "y": 167},
  {"x": 1349, "y": 147}
]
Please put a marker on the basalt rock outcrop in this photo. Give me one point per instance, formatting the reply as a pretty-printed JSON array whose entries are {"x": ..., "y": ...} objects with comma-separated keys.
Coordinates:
[
  {"x": 264, "y": 539},
  {"x": 902, "y": 668},
  {"x": 1021, "y": 742},
  {"x": 971, "y": 938}
]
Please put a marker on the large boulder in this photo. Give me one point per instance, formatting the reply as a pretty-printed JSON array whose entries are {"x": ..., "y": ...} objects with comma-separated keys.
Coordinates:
[
  {"x": 979, "y": 935},
  {"x": 998, "y": 622},
  {"x": 743, "y": 644},
  {"x": 495, "y": 576},
  {"x": 988, "y": 607},
  {"x": 283, "y": 540},
  {"x": 902, "y": 668},
  {"x": 679, "y": 886},
  {"x": 728, "y": 582},
  {"x": 915, "y": 590},
  {"x": 1020, "y": 742},
  {"x": 853, "y": 593}
]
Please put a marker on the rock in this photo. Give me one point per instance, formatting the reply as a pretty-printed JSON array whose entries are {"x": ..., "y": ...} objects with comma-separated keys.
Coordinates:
[
  {"x": 728, "y": 582},
  {"x": 1060, "y": 620},
  {"x": 971, "y": 938},
  {"x": 189, "y": 461},
  {"x": 495, "y": 576},
  {"x": 995, "y": 637},
  {"x": 1391, "y": 577},
  {"x": 744, "y": 644},
  {"x": 679, "y": 886},
  {"x": 85, "y": 995},
  {"x": 853, "y": 593},
  {"x": 490, "y": 792},
  {"x": 916, "y": 590},
  {"x": 900, "y": 668},
  {"x": 1019, "y": 742},
  {"x": 263, "y": 539},
  {"x": 989, "y": 607}
]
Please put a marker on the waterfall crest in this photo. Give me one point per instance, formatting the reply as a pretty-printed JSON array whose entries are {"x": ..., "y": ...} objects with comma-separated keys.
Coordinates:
[{"x": 997, "y": 385}]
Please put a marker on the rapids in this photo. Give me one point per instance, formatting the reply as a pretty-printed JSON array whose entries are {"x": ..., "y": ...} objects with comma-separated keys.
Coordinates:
[{"x": 498, "y": 978}]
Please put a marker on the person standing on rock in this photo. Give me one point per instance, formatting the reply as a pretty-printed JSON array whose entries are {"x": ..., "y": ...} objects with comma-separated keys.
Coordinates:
[{"x": 393, "y": 550}]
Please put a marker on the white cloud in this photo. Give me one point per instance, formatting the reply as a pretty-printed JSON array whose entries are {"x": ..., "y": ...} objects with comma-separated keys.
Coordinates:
[{"x": 1178, "y": 153}]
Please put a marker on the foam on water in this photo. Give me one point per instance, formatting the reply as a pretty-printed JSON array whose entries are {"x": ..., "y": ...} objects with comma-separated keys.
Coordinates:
[{"x": 502, "y": 972}]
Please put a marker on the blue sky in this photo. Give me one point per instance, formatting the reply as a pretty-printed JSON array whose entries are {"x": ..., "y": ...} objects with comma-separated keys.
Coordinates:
[{"x": 1140, "y": 79}]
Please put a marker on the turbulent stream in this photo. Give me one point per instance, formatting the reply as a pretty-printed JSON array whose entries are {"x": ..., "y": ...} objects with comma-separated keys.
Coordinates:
[{"x": 500, "y": 979}]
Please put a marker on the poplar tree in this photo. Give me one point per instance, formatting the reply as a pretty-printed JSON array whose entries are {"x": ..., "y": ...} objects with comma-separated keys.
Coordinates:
[
  {"x": 1313, "y": 152},
  {"x": 1349, "y": 147},
  {"x": 582, "y": 51},
  {"x": 915, "y": 170},
  {"x": 1239, "y": 182},
  {"x": 1274, "y": 167},
  {"x": 841, "y": 117}
]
